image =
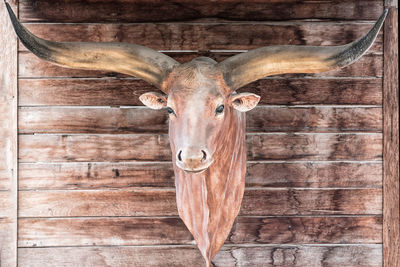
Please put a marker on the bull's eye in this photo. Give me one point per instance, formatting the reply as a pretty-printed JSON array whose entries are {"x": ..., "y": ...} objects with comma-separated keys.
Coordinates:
[
  {"x": 170, "y": 111},
  {"x": 219, "y": 109}
]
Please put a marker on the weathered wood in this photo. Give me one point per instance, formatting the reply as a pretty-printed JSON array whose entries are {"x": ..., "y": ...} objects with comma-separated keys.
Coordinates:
[
  {"x": 95, "y": 175},
  {"x": 137, "y": 202},
  {"x": 313, "y": 201},
  {"x": 206, "y": 36},
  {"x": 153, "y": 147},
  {"x": 161, "y": 231},
  {"x": 314, "y": 119},
  {"x": 314, "y": 146},
  {"x": 391, "y": 208},
  {"x": 6, "y": 204},
  {"x": 39, "y": 176},
  {"x": 32, "y": 67},
  {"x": 161, "y": 202},
  {"x": 183, "y": 256},
  {"x": 150, "y": 11},
  {"x": 112, "y": 92},
  {"x": 290, "y": 230},
  {"x": 8, "y": 139},
  {"x": 309, "y": 174},
  {"x": 350, "y": 256},
  {"x": 140, "y": 120},
  {"x": 4, "y": 180}
]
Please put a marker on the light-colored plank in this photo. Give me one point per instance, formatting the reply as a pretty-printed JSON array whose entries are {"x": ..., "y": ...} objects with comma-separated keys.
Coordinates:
[
  {"x": 183, "y": 256},
  {"x": 95, "y": 175},
  {"x": 161, "y": 202},
  {"x": 154, "y": 147},
  {"x": 144, "y": 10},
  {"x": 161, "y": 231},
  {"x": 145, "y": 120},
  {"x": 115, "y": 92},
  {"x": 4, "y": 179},
  {"x": 39, "y": 176},
  {"x": 6, "y": 206},
  {"x": 391, "y": 208},
  {"x": 8, "y": 139},
  {"x": 138, "y": 202},
  {"x": 209, "y": 36}
]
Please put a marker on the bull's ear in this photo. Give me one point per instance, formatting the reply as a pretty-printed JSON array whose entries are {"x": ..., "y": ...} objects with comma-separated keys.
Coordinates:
[
  {"x": 244, "y": 101},
  {"x": 154, "y": 100}
]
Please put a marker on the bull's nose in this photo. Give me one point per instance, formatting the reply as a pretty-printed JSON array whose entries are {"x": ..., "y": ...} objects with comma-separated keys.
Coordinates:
[
  {"x": 192, "y": 155},
  {"x": 193, "y": 159}
]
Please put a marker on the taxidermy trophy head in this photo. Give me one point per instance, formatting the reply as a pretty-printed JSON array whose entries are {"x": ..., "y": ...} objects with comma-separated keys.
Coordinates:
[{"x": 206, "y": 115}]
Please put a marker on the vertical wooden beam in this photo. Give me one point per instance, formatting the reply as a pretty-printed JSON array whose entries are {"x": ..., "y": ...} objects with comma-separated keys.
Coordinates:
[
  {"x": 391, "y": 207},
  {"x": 8, "y": 139}
]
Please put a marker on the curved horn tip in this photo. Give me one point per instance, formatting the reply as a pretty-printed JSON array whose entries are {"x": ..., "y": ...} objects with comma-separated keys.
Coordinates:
[{"x": 10, "y": 10}]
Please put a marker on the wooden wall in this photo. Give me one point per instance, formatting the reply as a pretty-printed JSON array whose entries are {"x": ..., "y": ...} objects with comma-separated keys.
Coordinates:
[
  {"x": 95, "y": 175},
  {"x": 8, "y": 140}
]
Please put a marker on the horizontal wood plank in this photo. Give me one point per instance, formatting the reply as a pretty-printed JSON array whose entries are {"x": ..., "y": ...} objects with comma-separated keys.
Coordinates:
[
  {"x": 162, "y": 231},
  {"x": 209, "y": 36},
  {"x": 5, "y": 204},
  {"x": 163, "y": 11},
  {"x": 145, "y": 120},
  {"x": 4, "y": 179},
  {"x": 146, "y": 147},
  {"x": 157, "y": 202},
  {"x": 183, "y": 256},
  {"x": 115, "y": 92},
  {"x": 40, "y": 176}
]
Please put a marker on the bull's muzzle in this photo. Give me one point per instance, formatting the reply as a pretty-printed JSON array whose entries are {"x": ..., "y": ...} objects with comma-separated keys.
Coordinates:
[{"x": 193, "y": 159}]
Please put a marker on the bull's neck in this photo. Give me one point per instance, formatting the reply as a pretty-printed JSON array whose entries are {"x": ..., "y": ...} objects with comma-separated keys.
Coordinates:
[
  {"x": 209, "y": 202},
  {"x": 230, "y": 139}
]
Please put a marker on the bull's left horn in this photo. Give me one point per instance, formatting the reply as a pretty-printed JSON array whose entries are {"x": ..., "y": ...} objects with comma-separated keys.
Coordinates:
[
  {"x": 135, "y": 60},
  {"x": 247, "y": 67}
]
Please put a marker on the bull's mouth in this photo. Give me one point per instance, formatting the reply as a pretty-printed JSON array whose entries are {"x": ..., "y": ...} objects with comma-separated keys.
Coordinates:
[{"x": 197, "y": 170}]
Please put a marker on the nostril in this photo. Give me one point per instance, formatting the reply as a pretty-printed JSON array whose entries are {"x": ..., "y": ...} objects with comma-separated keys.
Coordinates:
[
  {"x": 180, "y": 155},
  {"x": 204, "y": 156}
]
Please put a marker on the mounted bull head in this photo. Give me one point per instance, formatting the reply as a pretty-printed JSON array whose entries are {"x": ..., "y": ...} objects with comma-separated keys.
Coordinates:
[{"x": 207, "y": 121}]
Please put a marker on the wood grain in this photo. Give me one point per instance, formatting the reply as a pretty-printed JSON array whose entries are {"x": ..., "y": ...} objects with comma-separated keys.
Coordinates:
[
  {"x": 314, "y": 146},
  {"x": 391, "y": 208},
  {"x": 155, "y": 147},
  {"x": 164, "y": 231},
  {"x": 208, "y": 36},
  {"x": 4, "y": 180},
  {"x": 183, "y": 256},
  {"x": 145, "y": 11},
  {"x": 6, "y": 204},
  {"x": 115, "y": 92},
  {"x": 314, "y": 174},
  {"x": 8, "y": 139},
  {"x": 140, "y": 120},
  {"x": 161, "y": 202},
  {"x": 40, "y": 176}
]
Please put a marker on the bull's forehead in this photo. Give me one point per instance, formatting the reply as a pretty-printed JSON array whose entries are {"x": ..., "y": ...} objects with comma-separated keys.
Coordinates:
[
  {"x": 197, "y": 81},
  {"x": 195, "y": 103}
]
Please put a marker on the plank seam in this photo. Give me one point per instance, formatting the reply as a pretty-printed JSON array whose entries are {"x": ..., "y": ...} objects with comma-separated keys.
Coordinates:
[{"x": 225, "y": 245}]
